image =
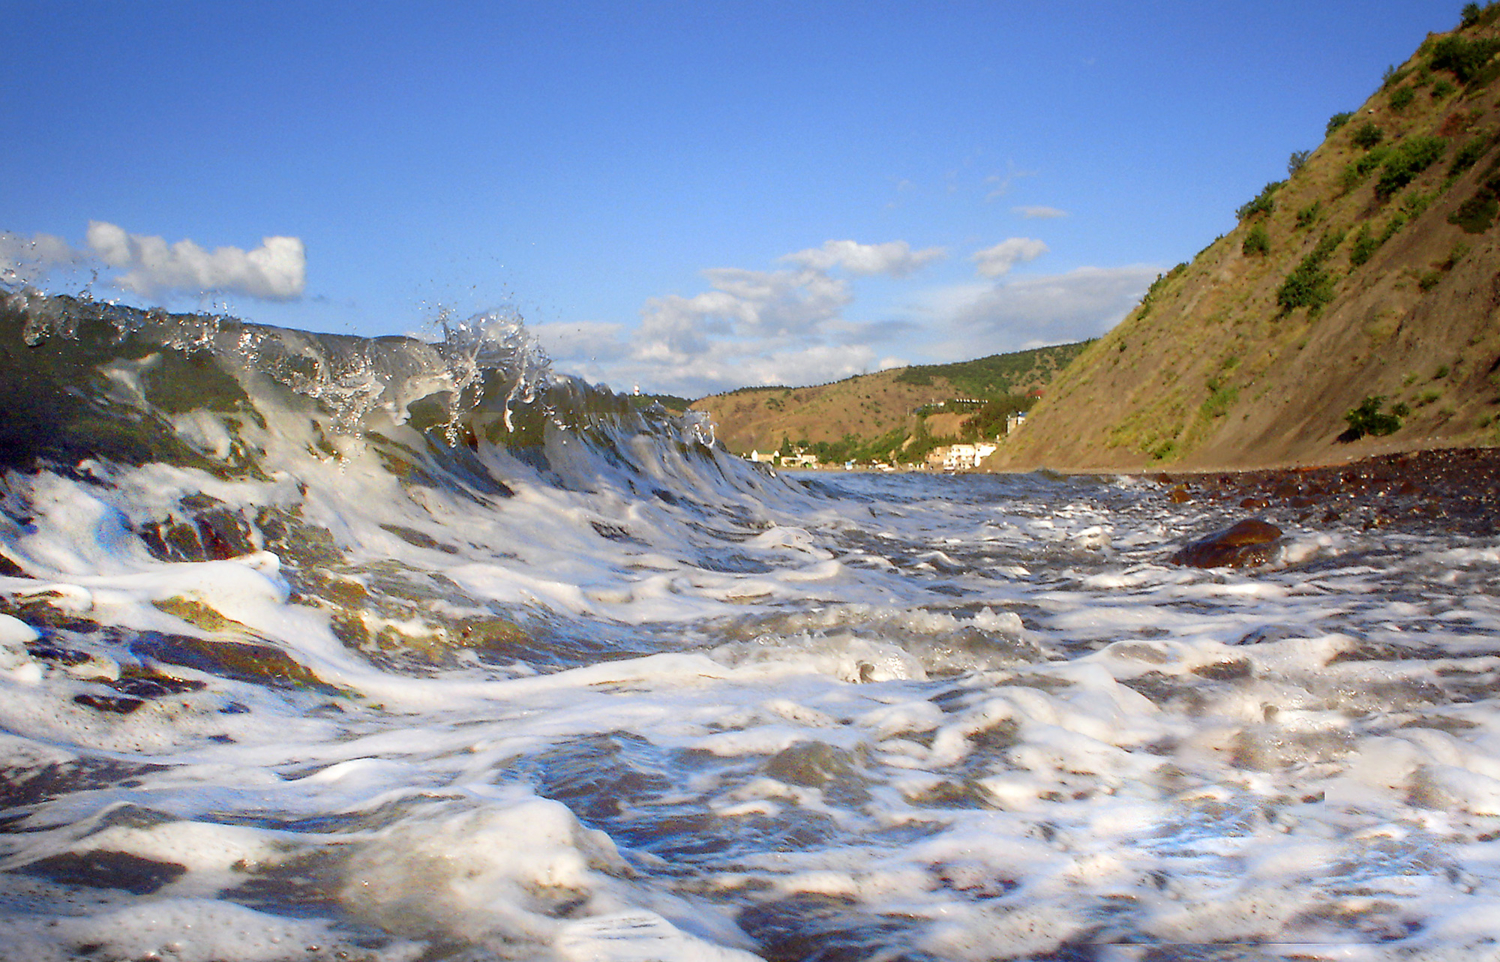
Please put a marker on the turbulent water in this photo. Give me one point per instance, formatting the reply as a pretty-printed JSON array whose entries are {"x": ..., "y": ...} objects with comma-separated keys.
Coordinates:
[{"x": 323, "y": 648}]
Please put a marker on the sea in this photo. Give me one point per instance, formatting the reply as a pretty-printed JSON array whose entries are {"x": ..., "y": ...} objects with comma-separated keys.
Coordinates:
[{"x": 316, "y": 647}]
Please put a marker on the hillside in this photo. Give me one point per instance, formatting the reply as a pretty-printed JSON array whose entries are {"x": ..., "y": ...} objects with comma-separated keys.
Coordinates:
[
  {"x": 1354, "y": 309},
  {"x": 871, "y": 406}
]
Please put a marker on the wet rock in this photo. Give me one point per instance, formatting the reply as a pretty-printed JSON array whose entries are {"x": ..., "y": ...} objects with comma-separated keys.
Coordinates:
[
  {"x": 211, "y": 531},
  {"x": 22, "y": 784},
  {"x": 1225, "y": 670},
  {"x": 822, "y": 766},
  {"x": 1249, "y": 542},
  {"x": 253, "y": 662},
  {"x": 113, "y": 704},
  {"x": 107, "y": 870},
  {"x": 828, "y": 928},
  {"x": 1453, "y": 490},
  {"x": 813, "y": 764}
]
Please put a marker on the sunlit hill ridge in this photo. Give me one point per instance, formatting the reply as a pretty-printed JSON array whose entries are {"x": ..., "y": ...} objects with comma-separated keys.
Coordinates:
[
  {"x": 1352, "y": 311},
  {"x": 896, "y": 415}
]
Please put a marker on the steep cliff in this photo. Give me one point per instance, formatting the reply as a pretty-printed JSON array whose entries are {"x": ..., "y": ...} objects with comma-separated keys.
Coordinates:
[{"x": 1354, "y": 309}]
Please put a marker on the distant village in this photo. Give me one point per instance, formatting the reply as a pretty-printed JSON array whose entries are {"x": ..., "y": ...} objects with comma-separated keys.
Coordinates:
[{"x": 949, "y": 457}]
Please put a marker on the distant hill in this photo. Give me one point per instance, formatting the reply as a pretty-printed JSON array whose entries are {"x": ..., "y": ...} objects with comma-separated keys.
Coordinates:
[
  {"x": 887, "y": 405},
  {"x": 1354, "y": 310},
  {"x": 673, "y": 403}
]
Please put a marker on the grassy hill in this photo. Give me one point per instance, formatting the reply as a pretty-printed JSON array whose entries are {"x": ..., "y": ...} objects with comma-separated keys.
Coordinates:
[
  {"x": 1354, "y": 309},
  {"x": 878, "y": 411}
]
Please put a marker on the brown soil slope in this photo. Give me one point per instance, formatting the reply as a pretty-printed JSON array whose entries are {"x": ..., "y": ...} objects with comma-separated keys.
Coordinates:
[
  {"x": 873, "y": 406},
  {"x": 1217, "y": 370},
  {"x": 867, "y": 406}
]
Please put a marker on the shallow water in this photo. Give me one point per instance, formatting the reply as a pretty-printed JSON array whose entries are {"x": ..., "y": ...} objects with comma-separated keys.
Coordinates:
[{"x": 521, "y": 674}]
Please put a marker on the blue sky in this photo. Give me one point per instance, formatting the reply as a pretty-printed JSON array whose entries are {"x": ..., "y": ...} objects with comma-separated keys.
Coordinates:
[{"x": 680, "y": 197}]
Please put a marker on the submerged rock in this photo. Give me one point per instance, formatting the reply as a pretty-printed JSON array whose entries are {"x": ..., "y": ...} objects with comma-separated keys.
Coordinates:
[{"x": 1249, "y": 542}]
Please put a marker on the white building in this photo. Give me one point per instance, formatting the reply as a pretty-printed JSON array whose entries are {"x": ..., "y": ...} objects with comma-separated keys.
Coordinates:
[{"x": 962, "y": 457}]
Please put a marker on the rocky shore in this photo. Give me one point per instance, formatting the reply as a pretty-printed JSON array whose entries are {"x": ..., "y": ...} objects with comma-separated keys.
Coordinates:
[{"x": 1451, "y": 490}]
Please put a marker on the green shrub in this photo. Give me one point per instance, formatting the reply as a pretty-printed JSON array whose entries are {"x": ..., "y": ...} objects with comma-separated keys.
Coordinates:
[
  {"x": 1257, "y": 242},
  {"x": 1364, "y": 247},
  {"x": 1309, "y": 215},
  {"x": 1263, "y": 203},
  {"x": 1402, "y": 98},
  {"x": 1443, "y": 88},
  {"x": 1468, "y": 155},
  {"x": 1367, "y": 135},
  {"x": 1367, "y": 418},
  {"x": 1406, "y": 161},
  {"x": 1310, "y": 285},
  {"x": 1463, "y": 57},
  {"x": 1358, "y": 169},
  {"x": 1414, "y": 204},
  {"x": 1470, "y": 15},
  {"x": 1221, "y": 398},
  {"x": 1296, "y": 161},
  {"x": 1337, "y": 121},
  {"x": 1477, "y": 214}
]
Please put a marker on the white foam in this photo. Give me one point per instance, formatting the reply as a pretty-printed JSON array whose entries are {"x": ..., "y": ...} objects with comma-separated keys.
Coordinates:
[{"x": 1029, "y": 725}]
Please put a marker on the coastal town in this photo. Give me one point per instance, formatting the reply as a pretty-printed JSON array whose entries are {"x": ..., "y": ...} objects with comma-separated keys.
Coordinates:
[{"x": 959, "y": 456}]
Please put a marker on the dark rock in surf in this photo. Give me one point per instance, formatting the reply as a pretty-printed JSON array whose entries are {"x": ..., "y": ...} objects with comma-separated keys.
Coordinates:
[
  {"x": 107, "y": 870},
  {"x": 1248, "y": 543}
]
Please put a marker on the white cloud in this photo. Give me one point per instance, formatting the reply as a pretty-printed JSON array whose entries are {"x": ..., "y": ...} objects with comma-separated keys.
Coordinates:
[
  {"x": 744, "y": 304},
  {"x": 1039, "y": 213},
  {"x": 893, "y": 258},
  {"x": 276, "y": 270},
  {"x": 985, "y": 319},
  {"x": 998, "y": 260},
  {"x": 732, "y": 364},
  {"x": 783, "y": 326}
]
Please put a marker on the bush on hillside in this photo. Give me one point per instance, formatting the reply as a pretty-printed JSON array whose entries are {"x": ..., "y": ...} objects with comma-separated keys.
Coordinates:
[
  {"x": 1337, "y": 121},
  {"x": 1470, "y": 15},
  {"x": 1367, "y": 418},
  {"x": 1257, "y": 242},
  {"x": 1263, "y": 203},
  {"x": 1296, "y": 161},
  {"x": 1358, "y": 169},
  {"x": 1310, "y": 285},
  {"x": 1468, "y": 155},
  {"x": 1410, "y": 158},
  {"x": 1402, "y": 99},
  {"x": 1367, "y": 135},
  {"x": 1157, "y": 287},
  {"x": 1463, "y": 57},
  {"x": 1364, "y": 247},
  {"x": 1477, "y": 214}
]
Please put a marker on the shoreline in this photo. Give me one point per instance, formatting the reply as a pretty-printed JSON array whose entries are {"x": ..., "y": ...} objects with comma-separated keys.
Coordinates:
[{"x": 1453, "y": 488}]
